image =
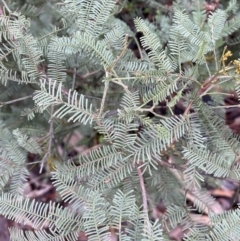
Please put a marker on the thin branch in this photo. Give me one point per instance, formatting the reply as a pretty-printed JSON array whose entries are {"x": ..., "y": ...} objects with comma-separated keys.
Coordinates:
[
  {"x": 144, "y": 196},
  {"x": 138, "y": 46},
  {"x": 16, "y": 100},
  {"x": 209, "y": 72},
  {"x": 104, "y": 94},
  {"x": 75, "y": 70},
  {"x": 51, "y": 133},
  {"x": 6, "y": 6},
  {"x": 122, "y": 52},
  {"x": 111, "y": 113},
  {"x": 85, "y": 76},
  {"x": 123, "y": 4},
  {"x": 90, "y": 74},
  {"x": 206, "y": 86},
  {"x": 220, "y": 93},
  {"x": 119, "y": 82},
  {"x": 51, "y": 136},
  {"x": 235, "y": 197},
  {"x": 188, "y": 109},
  {"x": 151, "y": 111},
  {"x": 43, "y": 138},
  {"x": 51, "y": 33},
  {"x": 225, "y": 106},
  {"x": 144, "y": 193}
]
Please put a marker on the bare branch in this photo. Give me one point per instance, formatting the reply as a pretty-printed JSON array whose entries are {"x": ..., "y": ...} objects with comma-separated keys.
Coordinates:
[{"x": 144, "y": 196}]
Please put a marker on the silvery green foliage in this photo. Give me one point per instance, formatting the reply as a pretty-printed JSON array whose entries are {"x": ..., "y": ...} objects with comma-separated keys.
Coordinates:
[{"x": 86, "y": 42}]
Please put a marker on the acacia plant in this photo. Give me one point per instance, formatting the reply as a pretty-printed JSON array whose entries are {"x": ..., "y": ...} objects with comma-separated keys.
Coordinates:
[{"x": 67, "y": 66}]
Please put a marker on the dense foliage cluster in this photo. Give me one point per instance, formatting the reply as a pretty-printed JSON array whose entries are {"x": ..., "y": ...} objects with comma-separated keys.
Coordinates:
[{"x": 83, "y": 65}]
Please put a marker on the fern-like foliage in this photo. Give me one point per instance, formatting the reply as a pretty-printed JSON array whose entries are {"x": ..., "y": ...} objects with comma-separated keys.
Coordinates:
[{"x": 78, "y": 73}]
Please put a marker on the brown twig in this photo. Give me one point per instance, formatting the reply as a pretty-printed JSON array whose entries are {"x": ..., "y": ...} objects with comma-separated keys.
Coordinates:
[
  {"x": 51, "y": 136},
  {"x": 16, "y": 100},
  {"x": 75, "y": 70},
  {"x": 144, "y": 196},
  {"x": 83, "y": 77},
  {"x": 144, "y": 193},
  {"x": 104, "y": 94}
]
